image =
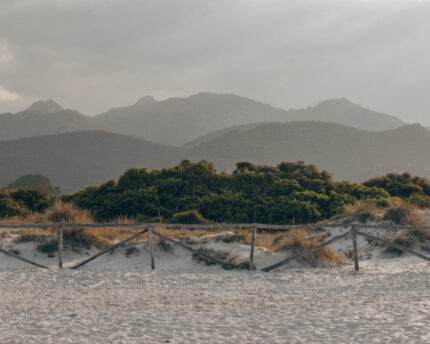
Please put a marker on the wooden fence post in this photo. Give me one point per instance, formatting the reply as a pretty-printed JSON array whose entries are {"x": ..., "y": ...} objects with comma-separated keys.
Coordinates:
[
  {"x": 151, "y": 247},
  {"x": 60, "y": 245},
  {"x": 354, "y": 245},
  {"x": 251, "y": 256}
]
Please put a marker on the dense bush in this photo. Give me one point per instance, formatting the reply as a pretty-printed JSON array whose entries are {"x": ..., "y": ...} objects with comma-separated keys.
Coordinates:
[
  {"x": 401, "y": 185},
  {"x": 194, "y": 192},
  {"x": 22, "y": 202},
  {"x": 34, "y": 201},
  {"x": 288, "y": 193},
  {"x": 9, "y": 207}
]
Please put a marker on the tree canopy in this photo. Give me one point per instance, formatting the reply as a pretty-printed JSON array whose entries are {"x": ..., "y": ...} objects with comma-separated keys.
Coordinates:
[{"x": 285, "y": 194}]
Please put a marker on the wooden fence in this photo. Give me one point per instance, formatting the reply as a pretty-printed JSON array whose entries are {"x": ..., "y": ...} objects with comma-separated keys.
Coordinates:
[{"x": 352, "y": 230}]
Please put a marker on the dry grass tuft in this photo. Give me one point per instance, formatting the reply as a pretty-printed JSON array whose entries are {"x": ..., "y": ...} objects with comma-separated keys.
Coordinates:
[
  {"x": 410, "y": 239},
  {"x": 191, "y": 216},
  {"x": 362, "y": 212},
  {"x": 78, "y": 238},
  {"x": 58, "y": 212},
  {"x": 294, "y": 239},
  {"x": 32, "y": 235},
  {"x": 67, "y": 213},
  {"x": 75, "y": 238},
  {"x": 405, "y": 214},
  {"x": 300, "y": 239}
]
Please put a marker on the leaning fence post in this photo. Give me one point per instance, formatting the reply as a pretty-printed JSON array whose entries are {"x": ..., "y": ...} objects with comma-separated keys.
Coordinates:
[
  {"x": 151, "y": 247},
  {"x": 60, "y": 245},
  {"x": 354, "y": 245},
  {"x": 251, "y": 256}
]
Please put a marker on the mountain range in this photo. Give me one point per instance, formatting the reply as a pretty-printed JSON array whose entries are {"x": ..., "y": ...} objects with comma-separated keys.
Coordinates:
[
  {"x": 176, "y": 121},
  {"x": 77, "y": 159},
  {"x": 76, "y": 150}
]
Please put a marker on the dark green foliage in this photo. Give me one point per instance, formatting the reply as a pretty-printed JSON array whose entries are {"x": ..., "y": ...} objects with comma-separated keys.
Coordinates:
[
  {"x": 191, "y": 192},
  {"x": 36, "y": 182},
  {"x": 9, "y": 207},
  {"x": 401, "y": 185},
  {"x": 34, "y": 201},
  {"x": 290, "y": 193},
  {"x": 286, "y": 194},
  {"x": 22, "y": 202}
]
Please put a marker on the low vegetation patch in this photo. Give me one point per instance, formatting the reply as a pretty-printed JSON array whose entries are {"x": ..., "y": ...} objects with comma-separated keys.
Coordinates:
[
  {"x": 231, "y": 260},
  {"x": 49, "y": 247},
  {"x": 362, "y": 212},
  {"x": 405, "y": 214},
  {"x": 131, "y": 250},
  {"x": 396, "y": 212},
  {"x": 189, "y": 217}
]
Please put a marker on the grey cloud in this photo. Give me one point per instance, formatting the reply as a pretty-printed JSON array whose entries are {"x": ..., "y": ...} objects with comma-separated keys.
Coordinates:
[{"x": 91, "y": 55}]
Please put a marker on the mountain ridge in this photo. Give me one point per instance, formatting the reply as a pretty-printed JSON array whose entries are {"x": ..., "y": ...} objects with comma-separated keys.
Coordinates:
[
  {"x": 69, "y": 159},
  {"x": 44, "y": 106},
  {"x": 176, "y": 121}
]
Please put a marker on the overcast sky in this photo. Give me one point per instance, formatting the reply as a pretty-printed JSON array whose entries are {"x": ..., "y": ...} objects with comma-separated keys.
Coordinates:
[{"x": 90, "y": 55}]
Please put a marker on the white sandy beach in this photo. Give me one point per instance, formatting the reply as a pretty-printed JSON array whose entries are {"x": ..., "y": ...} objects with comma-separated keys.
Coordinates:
[{"x": 116, "y": 299}]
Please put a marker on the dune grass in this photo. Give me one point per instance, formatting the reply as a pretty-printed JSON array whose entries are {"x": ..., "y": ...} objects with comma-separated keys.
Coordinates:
[
  {"x": 396, "y": 212},
  {"x": 103, "y": 237}
]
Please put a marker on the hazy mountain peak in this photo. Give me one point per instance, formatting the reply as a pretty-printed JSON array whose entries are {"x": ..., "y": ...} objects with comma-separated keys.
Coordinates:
[
  {"x": 44, "y": 106},
  {"x": 413, "y": 129},
  {"x": 336, "y": 102},
  {"x": 146, "y": 100}
]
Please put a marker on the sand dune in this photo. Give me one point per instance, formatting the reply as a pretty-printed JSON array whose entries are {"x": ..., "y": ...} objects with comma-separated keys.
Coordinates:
[{"x": 118, "y": 299}]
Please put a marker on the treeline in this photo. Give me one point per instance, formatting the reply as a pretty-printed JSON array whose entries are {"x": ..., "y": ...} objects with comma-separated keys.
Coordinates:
[{"x": 286, "y": 194}]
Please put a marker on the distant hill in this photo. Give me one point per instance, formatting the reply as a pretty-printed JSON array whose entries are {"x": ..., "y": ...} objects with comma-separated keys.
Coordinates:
[
  {"x": 349, "y": 153},
  {"x": 74, "y": 160},
  {"x": 342, "y": 111},
  {"x": 42, "y": 118},
  {"x": 44, "y": 106},
  {"x": 176, "y": 121}
]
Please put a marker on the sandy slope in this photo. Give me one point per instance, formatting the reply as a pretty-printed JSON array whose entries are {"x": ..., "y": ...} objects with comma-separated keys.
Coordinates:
[{"x": 120, "y": 300}]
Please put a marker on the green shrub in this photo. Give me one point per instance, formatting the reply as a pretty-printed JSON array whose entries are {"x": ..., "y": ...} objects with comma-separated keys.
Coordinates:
[
  {"x": 10, "y": 207},
  {"x": 34, "y": 201},
  {"x": 290, "y": 193}
]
